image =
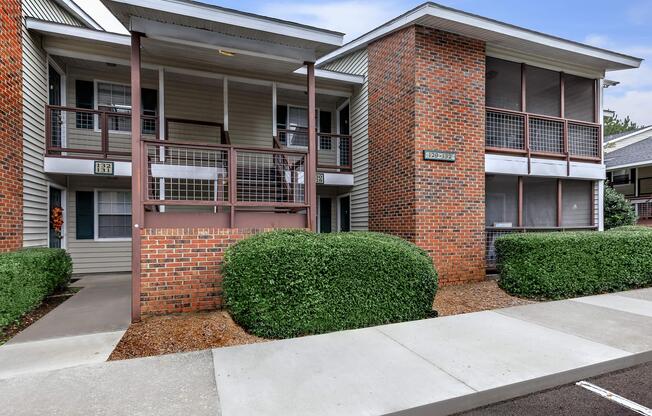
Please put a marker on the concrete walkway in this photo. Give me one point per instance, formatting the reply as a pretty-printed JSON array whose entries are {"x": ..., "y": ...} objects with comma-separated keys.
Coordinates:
[
  {"x": 428, "y": 367},
  {"x": 82, "y": 330}
]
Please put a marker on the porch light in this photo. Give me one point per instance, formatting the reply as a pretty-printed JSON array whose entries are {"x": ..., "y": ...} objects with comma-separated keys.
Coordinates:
[{"x": 226, "y": 53}]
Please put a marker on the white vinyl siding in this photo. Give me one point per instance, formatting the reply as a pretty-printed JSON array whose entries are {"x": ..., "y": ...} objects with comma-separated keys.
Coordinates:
[
  {"x": 356, "y": 63},
  {"x": 50, "y": 11}
]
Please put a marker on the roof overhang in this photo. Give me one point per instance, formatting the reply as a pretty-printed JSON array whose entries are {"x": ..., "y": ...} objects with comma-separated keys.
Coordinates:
[
  {"x": 189, "y": 18},
  {"x": 75, "y": 32},
  {"x": 497, "y": 35},
  {"x": 71, "y": 7}
]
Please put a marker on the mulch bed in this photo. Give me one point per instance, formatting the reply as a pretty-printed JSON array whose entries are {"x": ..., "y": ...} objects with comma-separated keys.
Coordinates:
[
  {"x": 157, "y": 335},
  {"x": 473, "y": 297},
  {"x": 29, "y": 318}
]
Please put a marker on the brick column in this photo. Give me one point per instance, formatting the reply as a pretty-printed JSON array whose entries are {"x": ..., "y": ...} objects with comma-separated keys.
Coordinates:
[
  {"x": 426, "y": 92},
  {"x": 11, "y": 127}
]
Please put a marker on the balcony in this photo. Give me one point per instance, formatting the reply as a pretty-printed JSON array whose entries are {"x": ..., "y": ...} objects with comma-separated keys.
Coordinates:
[
  {"x": 100, "y": 134},
  {"x": 532, "y": 135}
]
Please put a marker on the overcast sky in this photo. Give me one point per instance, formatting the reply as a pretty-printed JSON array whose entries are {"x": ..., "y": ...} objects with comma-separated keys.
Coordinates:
[{"x": 623, "y": 26}]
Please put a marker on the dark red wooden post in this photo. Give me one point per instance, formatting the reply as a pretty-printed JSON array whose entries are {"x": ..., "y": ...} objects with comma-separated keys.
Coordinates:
[
  {"x": 310, "y": 176},
  {"x": 137, "y": 212}
]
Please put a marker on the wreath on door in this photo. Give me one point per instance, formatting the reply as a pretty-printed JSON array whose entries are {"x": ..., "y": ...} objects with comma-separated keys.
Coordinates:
[{"x": 56, "y": 218}]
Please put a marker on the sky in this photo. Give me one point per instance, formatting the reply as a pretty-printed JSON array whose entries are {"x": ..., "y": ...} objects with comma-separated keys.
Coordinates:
[{"x": 622, "y": 26}]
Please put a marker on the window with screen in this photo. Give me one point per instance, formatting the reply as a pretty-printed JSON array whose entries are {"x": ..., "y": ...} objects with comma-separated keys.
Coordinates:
[
  {"x": 115, "y": 98},
  {"x": 113, "y": 214},
  {"x": 576, "y": 203},
  {"x": 503, "y": 84},
  {"x": 540, "y": 202},
  {"x": 501, "y": 201},
  {"x": 543, "y": 91},
  {"x": 579, "y": 98}
]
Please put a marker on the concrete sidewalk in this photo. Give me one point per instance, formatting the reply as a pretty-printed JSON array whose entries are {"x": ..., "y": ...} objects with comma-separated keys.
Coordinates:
[
  {"x": 428, "y": 367},
  {"x": 82, "y": 330}
]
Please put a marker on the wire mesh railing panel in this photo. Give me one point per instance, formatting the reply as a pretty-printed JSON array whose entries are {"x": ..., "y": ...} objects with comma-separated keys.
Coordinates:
[
  {"x": 177, "y": 173},
  {"x": 643, "y": 209},
  {"x": 583, "y": 140},
  {"x": 265, "y": 178},
  {"x": 293, "y": 137},
  {"x": 546, "y": 135},
  {"x": 490, "y": 249},
  {"x": 334, "y": 150},
  {"x": 505, "y": 130}
]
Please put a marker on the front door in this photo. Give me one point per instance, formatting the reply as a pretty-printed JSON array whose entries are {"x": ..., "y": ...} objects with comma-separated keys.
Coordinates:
[
  {"x": 54, "y": 98},
  {"x": 55, "y": 202},
  {"x": 345, "y": 213},
  {"x": 325, "y": 215}
]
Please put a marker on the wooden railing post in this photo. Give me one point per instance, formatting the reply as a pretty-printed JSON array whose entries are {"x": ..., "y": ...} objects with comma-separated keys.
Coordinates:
[
  {"x": 233, "y": 181},
  {"x": 104, "y": 134},
  {"x": 137, "y": 206},
  {"x": 310, "y": 176}
]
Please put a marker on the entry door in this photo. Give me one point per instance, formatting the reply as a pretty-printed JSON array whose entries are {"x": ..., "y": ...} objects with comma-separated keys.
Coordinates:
[
  {"x": 54, "y": 98},
  {"x": 55, "y": 201},
  {"x": 343, "y": 127},
  {"x": 325, "y": 215},
  {"x": 345, "y": 213}
]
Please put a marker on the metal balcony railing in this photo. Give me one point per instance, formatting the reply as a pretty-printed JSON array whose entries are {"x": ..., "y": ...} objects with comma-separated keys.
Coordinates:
[
  {"x": 515, "y": 132},
  {"x": 334, "y": 151}
]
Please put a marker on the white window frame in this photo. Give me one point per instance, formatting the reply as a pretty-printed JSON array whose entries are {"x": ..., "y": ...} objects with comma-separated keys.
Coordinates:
[
  {"x": 64, "y": 96},
  {"x": 339, "y": 220},
  {"x": 96, "y": 214},
  {"x": 96, "y": 105},
  {"x": 64, "y": 206}
]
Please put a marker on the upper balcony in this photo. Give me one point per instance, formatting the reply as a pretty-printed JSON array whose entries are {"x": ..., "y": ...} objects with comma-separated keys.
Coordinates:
[{"x": 536, "y": 112}]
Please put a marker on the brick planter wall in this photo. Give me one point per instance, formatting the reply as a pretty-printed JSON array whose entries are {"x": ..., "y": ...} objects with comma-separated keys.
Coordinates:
[
  {"x": 180, "y": 268},
  {"x": 11, "y": 127},
  {"x": 426, "y": 92}
]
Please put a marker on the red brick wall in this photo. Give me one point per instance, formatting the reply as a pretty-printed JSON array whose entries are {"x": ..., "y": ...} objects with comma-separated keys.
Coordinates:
[
  {"x": 11, "y": 127},
  {"x": 440, "y": 204},
  {"x": 392, "y": 70},
  {"x": 180, "y": 268}
]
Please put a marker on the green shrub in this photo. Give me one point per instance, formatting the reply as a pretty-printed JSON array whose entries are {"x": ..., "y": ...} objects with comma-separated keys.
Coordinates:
[
  {"x": 629, "y": 228},
  {"x": 27, "y": 276},
  {"x": 618, "y": 211},
  {"x": 288, "y": 283},
  {"x": 562, "y": 265}
]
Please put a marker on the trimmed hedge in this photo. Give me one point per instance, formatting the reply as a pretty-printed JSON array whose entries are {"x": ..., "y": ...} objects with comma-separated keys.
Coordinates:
[
  {"x": 27, "y": 276},
  {"x": 629, "y": 228},
  {"x": 560, "y": 265},
  {"x": 283, "y": 284}
]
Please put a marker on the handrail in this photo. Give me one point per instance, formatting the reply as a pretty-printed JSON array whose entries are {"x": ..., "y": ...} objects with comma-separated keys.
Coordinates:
[
  {"x": 541, "y": 116},
  {"x": 224, "y": 147}
]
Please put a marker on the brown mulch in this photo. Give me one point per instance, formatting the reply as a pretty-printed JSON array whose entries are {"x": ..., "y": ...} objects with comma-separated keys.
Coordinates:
[
  {"x": 29, "y": 318},
  {"x": 157, "y": 335},
  {"x": 473, "y": 297}
]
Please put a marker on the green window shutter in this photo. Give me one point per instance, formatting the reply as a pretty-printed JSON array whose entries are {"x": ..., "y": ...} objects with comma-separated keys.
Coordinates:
[
  {"x": 281, "y": 116},
  {"x": 325, "y": 122},
  {"x": 84, "y": 98},
  {"x": 85, "y": 215}
]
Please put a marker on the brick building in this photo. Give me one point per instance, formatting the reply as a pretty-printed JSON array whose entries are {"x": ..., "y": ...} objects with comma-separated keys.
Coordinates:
[{"x": 439, "y": 126}]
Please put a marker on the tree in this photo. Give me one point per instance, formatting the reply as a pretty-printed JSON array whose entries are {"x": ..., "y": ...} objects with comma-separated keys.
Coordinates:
[
  {"x": 618, "y": 210},
  {"x": 614, "y": 125}
]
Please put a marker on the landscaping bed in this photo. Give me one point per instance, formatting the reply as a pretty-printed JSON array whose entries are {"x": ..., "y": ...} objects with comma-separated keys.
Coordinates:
[
  {"x": 47, "y": 305},
  {"x": 156, "y": 335}
]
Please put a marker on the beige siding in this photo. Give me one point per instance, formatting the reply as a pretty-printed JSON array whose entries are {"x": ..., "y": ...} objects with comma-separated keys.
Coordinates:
[
  {"x": 50, "y": 11},
  {"x": 94, "y": 256},
  {"x": 34, "y": 181},
  {"x": 356, "y": 63}
]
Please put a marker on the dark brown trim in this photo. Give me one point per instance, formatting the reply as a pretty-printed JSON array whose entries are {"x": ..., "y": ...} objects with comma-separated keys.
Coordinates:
[
  {"x": 311, "y": 171},
  {"x": 137, "y": 209},
  {"x": 520, "y": 201}
]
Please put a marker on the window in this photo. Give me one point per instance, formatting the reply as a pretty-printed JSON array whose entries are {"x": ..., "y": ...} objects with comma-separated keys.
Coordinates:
[
  {"x": 115, "y": 98},
  {"x": 579, "y": 98},
  {"x": 543, "y": 91},
  {"x": 113, "y": 214},
  {"x": 540, "y": 202},
  {"x": 501, "y": 201},
  {"x": 621, "y": 177},
  {"x": 576, "y": 203},
  {"x": 503, "y": 84}
]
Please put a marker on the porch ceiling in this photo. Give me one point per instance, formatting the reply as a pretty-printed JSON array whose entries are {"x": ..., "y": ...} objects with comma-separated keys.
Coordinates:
[{"x": 197, "y": 23}]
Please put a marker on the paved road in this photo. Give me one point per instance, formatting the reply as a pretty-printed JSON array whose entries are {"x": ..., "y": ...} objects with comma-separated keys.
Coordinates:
[{"x": 634, "y": 384}]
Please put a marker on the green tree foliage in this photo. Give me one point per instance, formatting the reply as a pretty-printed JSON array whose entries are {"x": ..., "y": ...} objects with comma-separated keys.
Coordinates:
[
  {"x": 617, "y": 210},
  {"x": 615, "y": 125}
]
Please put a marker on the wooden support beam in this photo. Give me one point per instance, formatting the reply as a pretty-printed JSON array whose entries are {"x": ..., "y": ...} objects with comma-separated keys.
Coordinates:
[
  {"x": 311, "y": 174},
  {"x": 137, "y": 209}
]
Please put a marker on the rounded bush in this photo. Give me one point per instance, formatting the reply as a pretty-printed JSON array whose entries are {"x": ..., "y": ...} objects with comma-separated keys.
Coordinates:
[{"x": 283, "y": 284}]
